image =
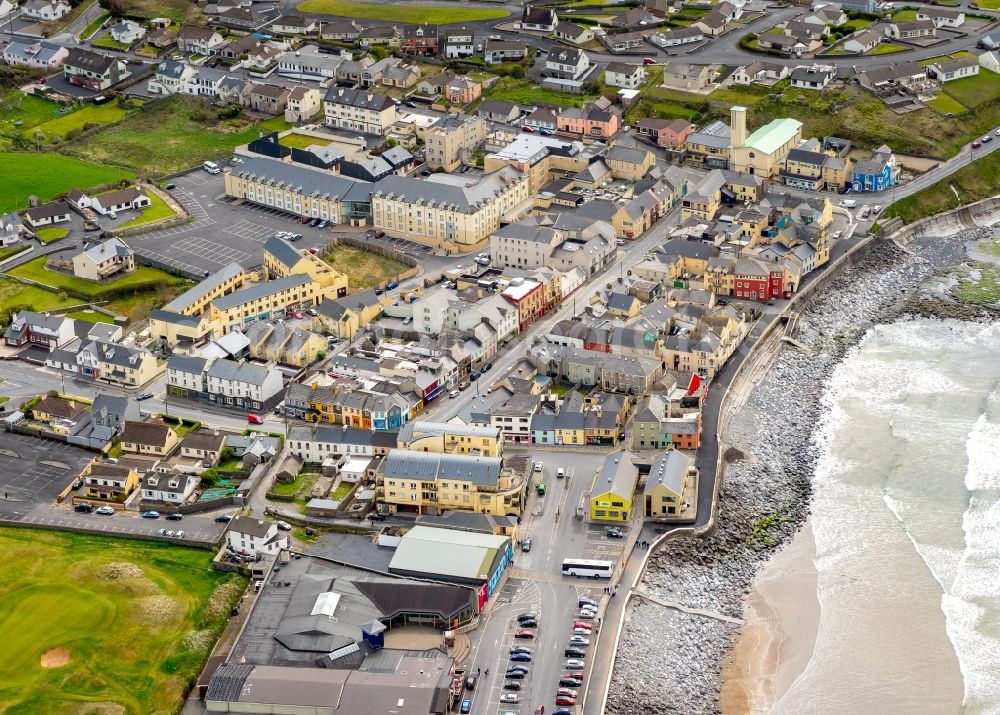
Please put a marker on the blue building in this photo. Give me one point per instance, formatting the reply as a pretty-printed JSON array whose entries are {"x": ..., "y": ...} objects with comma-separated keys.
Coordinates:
[{"x": 877, "y": 174}]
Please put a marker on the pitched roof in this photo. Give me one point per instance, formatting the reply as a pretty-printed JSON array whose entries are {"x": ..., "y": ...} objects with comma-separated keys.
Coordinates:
[
  {"x": 147, "y": 433},
  {"x": 90, "y": 61},
  {"x": 428, "y": 466}
]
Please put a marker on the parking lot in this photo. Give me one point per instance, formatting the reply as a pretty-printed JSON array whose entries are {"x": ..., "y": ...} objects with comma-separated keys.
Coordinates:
[
  {"x": 219, "y": 232},
  {"x": 34, "y": 470}
]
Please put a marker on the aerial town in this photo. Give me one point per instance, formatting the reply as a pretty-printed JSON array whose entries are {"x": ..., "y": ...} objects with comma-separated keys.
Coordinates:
[{"x": 366, "y": 358}]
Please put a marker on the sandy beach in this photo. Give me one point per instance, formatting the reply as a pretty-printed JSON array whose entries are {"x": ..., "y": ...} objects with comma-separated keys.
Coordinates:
[{"x": 782, "y": 618}]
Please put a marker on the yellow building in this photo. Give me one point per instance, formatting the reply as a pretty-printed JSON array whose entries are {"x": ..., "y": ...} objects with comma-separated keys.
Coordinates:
[
  {"x": 705, "y": 200},
  {"x": 613, "y": 489},
  {"x": 447, "y": 209},
  {"x": 452, "y": 141},
  {"x": 344, "y": 317},
  {"x": 541, "y": 158},
  {"x": 420, "y": 436},
  {"x": 628, "y": 163},
  {"x": 109, "y": 482},
  {"x": 277, "y": 342},
  {"x": 670, "y": 479},
  {"x": 184, "y": 320},
  {"x": 282, "y": 259},
  {"x": 59, "y": 413},
  {"x": 116, "y": 364},
  {"x": 261, "y": 301},
  {"x": 153, "y": 438},
  {"x": 763, "y": 152},
  {"x": 430, "y": 482}
]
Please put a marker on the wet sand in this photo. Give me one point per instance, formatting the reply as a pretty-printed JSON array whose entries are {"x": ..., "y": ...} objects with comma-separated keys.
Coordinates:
[{"x": 782, "y": 618}]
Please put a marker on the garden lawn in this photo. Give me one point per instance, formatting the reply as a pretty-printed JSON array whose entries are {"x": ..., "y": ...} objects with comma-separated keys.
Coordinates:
[
  {"x": 944, "y": 58},
  {"x": 904, "y": 16},
  {"x": 946, "y": 105},
  {"x": 886, "y": 48},
  {"x": 142, "y": 278},
  {"x": 129, "y": 623},
  {"x": 416, "y": 14},
  {"x": 176, "y": 10},
  {"x": 299, "y": 141},
  {"x": 15, "y": 296},
  {"x": 364, "y": 269},
  {"x": 522, "y": 91},
  {"x": 30, "y": 111},
  {"x": 95, "y": 25},
  {"x": 157, "y": 211},
  {"x": 975, "y": 90},
  {"x": 857, "y": 23},
  {"x": 176, "y": 134},
  {"x": 91, "y": 316},
  {"x": 48, "y": 175},
  {"x": 107, "y": 113},
  {"x": 6, "y": 253},
  {"x": 109, "y": 43},
  {"x": 989, "y": 4},
  {"x": 50, "y": 234},
  {"x": 978, "y": 180}
]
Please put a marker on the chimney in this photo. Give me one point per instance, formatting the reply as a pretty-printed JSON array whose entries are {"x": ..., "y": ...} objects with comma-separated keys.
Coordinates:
[{"x": 738, "y": 120}]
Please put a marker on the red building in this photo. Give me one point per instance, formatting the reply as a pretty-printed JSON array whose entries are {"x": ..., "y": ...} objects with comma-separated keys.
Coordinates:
[
  {"x": 420, "y": 40},
  {"x": 529, "y": 297},
  {"x": 755, "y": 280}
]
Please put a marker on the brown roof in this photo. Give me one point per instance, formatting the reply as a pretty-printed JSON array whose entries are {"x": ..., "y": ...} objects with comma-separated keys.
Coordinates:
[
  {"x": 394, "y": 597},
  {"x": 269, "y": 90},
  {"x": 59, "y": 407},
  {"x": 190, "y": 32},
  {"x": 203, "y": 440},
  {"x": 109, "y": 471},
  {"x": 148, "y": 433}
]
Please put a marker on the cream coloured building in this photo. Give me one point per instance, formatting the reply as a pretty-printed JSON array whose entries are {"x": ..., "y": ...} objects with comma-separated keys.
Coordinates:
[
  {"x": 452, "y": 141},
  {"x": 763, "y": 152},
  {"x": 359, "y": 110},
  {"x": 446, "y": 208},
  {"x": 185, "y": 320},
  {"x": 421, "y": 436},
  {"x": 282, "y": 259}
]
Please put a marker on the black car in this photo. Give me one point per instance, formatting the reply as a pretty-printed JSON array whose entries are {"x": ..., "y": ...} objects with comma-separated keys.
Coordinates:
[
  {"x": 487, "y": 367},
  {"x": 84, "y": 508},
  {"x": 143, "y": 396},
  {"x": 528, "y": 616},
  {"x": 170, "y": 187},
  {"x": 223, "y": 519},
  {"x": 586, "y": 602},
  {"x": 561, "y": 711},
  {"x": 570, "y": 682},
  {"x": 520, "y": 649},
  {"x": 470, "y": 682},
  {"x": 516, "y": 674},
  {"x": 530, "y": 623},
  {"x": 475, "y": 376},
  {"x": 174, "y": 517},
  {"x": 575, "y": 653},
  {"x": 512, "y": 685},
  {"x": 375, "y": 516},
  {"x": 314, "y": 222}
]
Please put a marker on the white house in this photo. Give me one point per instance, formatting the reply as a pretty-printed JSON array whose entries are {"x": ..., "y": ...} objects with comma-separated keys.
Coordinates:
[
  {"x": 115, "y": 201},
  {"x": 172, "y": 488},
  {"x": 626, "y": 76},
  {"x": 990, "y": 61},
  {"x": 10, "y": 229},
  {"x": 39, "y": 55},
  {"x": 942, "y": 16},
  {"x": 45, "y": 10},
  {"x": 170, "y": 78},
  {"x": 127, "y": 32},
  {"x": 539, "y": 19},
  {"x": 566, "y": 63},
  {"x": 47, "y": 214},
  {"x": 243, "y": 385},
  {"x": 954, "y": 69},
  {"x": 863, "y": 41},
  {"x": 815, "y": 77},
  {"x": 250, "y": 536}
]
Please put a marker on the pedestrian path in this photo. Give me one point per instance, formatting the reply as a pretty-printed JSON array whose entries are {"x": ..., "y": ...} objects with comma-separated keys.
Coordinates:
[{"x": 686, "y": 609}]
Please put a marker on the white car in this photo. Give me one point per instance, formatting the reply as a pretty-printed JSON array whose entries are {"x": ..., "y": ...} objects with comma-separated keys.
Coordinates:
[
  {"x": 510, "y": 698},
  {"x": 284, "y": 525},
  {"x": 876, "y": 209},
  {"x": 179, "y": 534},
  {"x": 581, "y": 631},
  {"x": 574, "y": 663},
  {"x": 587, "y": 615},
  {"x": 579, "y": 640},
  {"x": 106, "y": 511},
  {"x": 538, "y": 466}
]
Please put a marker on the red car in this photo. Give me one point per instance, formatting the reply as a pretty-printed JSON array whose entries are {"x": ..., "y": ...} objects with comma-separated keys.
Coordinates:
[
  {"x": 648, "y": 61},
  {"x": 255, "y": 419},
  {"x": 583, "y": 624},
  {"x": 527, "y": 129},
  {"x": 565, "y": 700},
  {"x": 380, "y": 234},
  {"x": 524, "y": 634},
  {"x": 297, "y": 314},
  {"x": 578, "y": 675}
]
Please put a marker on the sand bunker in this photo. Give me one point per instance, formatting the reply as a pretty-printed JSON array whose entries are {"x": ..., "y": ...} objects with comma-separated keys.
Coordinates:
[{"x": 55, "y": 658}]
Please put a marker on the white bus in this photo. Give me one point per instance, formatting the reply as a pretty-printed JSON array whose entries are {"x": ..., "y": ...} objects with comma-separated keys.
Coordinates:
[{"x": 587, "y": 568}]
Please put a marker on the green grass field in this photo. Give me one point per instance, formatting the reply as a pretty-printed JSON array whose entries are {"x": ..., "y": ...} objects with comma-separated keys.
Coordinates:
[
  {"x": 30, "y": 111},
  {"x": 90, "y": 315},
  {"x": 109, "y": 43},
  {"x": 15, "y": 295},
  {"x": 13, "y": 250},
  {"x": 946, "y": 105},
  {"x": 48, "y": 175},
  {"x": 887, "y": 48},
  {"x": 522, "y": 91},
  {"x": 49, "y": 234},
  {"x": 141, "y": 276},
  {"x": 976, "y": 90},
  {"x": 944, "y": 58},
  {"x": 121, "y": 626},
  {"x": 176, "y": 10},
  {"x": 364, "y": 268},
  {"x": 904, "y": 16},
  {"x": 416, "y": 14},
  {"x": 176, "y": 134},
  {"x": 157, "y": 211},
  {"x": 90, "y": 114},
  {"x": 299, "y": 141},
  {"x": 989, "y": 4},
  {"x": 95, "y": 25}
]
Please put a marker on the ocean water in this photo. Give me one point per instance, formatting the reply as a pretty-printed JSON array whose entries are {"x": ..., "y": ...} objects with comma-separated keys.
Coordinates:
[{"x": 906, "y": 515}]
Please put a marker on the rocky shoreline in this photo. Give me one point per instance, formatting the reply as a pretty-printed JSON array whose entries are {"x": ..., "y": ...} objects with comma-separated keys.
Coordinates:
[{"x": 671, "y": 662}]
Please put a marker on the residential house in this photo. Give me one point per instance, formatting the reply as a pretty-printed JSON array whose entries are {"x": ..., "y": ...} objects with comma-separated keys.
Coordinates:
[
  {"x": 684, "y": 76},
  {"x": 653, "y": 426},
  {"x": 308, "y": 63},
  {"x": 913, "y": 30},
  {"x": 127, "y": 32},
  {"x": 498, "y": 51},
  {"x": 573, "y": 33},
  {"x": 670, "y": 477},
  {"x": 623, "y": 42},
  {"x": 566, "y": 62},
  {"x": 435, "y": 84},
  {"x": 942, "y": 16},
  {"x": 321, "y": 443},
  {"x": 91, "y": 70},
  {"x": 162, "y": 38},
  {"x": 242, "y": 385},
  {"x": 109, "y": 482},
  {"x": 541, "y": 118},
  {"x": 171, "y": 77},
  {"x": 863, "y": 41},
  {"x": 243, "y": 19},
  {"x": 268, "y": 99},
  {"x": 990, "y": 41},
  {"x": 47, "y": 214},
  {"x": 303, "y": 103},
  {"x": 340, "y": 31},
  {"x": 678, "y": 36},
  {"x": 903, "y": 75},
  {"x": 876, "y": 174},
  {"x": 590, "y": 121},
  {"x": 629, "y": 164},
  {"x": 613, "y": 490},
  {"x": 495, "y": 110},
  {"x": 200, "y": 40},
  {"x": 281, "y": 343},
  {"x": 112, "y": 411},
  {"x": 990, "y": 61},
  {"x": 131, "y": 199},
  {"x": 453, "y": 141},
  {"x": 812, "y": 77},
  {"x": 715, "y": 23},
  {"x": 954, "y": 69},
  {"x": 203, "y": 445},
  {"x": 34, "y": 54},
  {"x": 48, "y": 331},
  {"x": 359, "y": 110},
  {"x": 402, "y": 76},
  {"x": 250, "y": 536},
  {"x": 104, "y": 259},
  {"x": 45, "y": 10},
  {"x": 459, "y": 42},
  {"x": 632, "y": 18},
  {"x": 462, "y": 90},
  {"x": 171, "y": 488},
  {"x": 153, "y": 438},
  {"x": 293, "y": 25},
  {"x": 758, "y": 71},
  {"x": 116, "y": 364},
  {"x": 262, "y": 57},
  {"x": 387, "y": 36},
  {"x": 539, "y": 19},
  {"x": 672, "y": 133},
  {"x": 618, "y": 74},
  {"x": 420, "y": 40},
  {"x": 186, "y": 375},
  {"x": 10, "y": 229},
  {"x": 59, "y": 413}
]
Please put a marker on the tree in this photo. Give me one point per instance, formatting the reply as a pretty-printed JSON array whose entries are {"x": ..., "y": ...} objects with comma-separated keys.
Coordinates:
[
  {"x": 517, "y": 72},
  {"x": 591, "y": 87}
]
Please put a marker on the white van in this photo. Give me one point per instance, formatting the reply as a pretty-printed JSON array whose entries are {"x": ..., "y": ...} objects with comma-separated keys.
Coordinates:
[
  {"x": 211, "y": 167},
  {"x": 848, "y": 203}
]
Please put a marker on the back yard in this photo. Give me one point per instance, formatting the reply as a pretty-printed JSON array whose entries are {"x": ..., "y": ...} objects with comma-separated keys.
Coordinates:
[
  {"x": 364, "y": 269},
  {"x": 48, "y": 175}
]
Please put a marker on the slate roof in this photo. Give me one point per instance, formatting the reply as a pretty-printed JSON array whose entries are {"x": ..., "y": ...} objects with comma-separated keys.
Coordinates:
[{"x": 429, "y": 466}]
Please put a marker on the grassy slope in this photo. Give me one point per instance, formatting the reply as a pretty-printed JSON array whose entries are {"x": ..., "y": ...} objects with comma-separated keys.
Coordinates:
[
  {"x": 979, "y": 180},
  {"x": 17, "y": 296},
  {"x": 364, "y": 268},
  {"x": 430, "y": 14},
  {"x": 35, "y": 270},
  {"x": 126, "y": 638},
  {"x": 157, "y": 211},
  {"x": 90, "y": 315},
  {"x": 90, "y": 114},
  {"x": 47, "y": 175},
  {"x": 171, "y": 136}
]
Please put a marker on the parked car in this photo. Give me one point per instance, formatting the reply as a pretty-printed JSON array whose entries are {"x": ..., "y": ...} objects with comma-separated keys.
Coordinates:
[
  {"x": 986, "y": 138},
  {"x": 314, "y": 222},
  {"x": 570, "y": 682},
  {"x": 567, "y": 691},
  {"x": 528, "y": 624},
  {"x": 517, "y": 671},
  {"x": 453, "y": 394},
  {"x": 565, "y": 700},
  {"x": 510, "y": 698},
  {"x": 143, "y": 396},
  {"x": 375, "y": 516},
  {"x": 572, "y": 652},
  {"x": 466, "y": 706},
  {"x": 586, "y": 602},
  {"x": 283, "y": 525},
  {"x": 520, "y": 650},
  {"x": 224, "y": 519},
  {"x": 581, "y": 624},
  {"x": 527, "y": 616},
  {"x": 561, "y": 711},
  {"x": 578, "y": 674},
  {"x": 150, "y": 515},
  {"x": 380, "y": 234},
  {"x": 573, "y": 663},
  {"x": 106, "y": 511},
  {"x": 178, "y": 534},
  {"x": 470, "y": 682},
  {"x": 528, "y": 634},
  {"x": 579, "y": 641},
  {"x": 615, "y": 533},
  {"x": 487, "y": 366},
  {"x": 83, "y": 508},
  {"x": 587, "y": 615},
  {"x": 174, "y": 517},
  {"x": 512, "y": 684},
  {"x": 170, "y": 187},
  {"x": 540, "y": 710},
  {"x": 648, "y": 61},
  {"x": 581, "y": 632},
  {"x": 255, "y": 419},
  {"x": 78, "y": 483},
  {"x": 560, "y": 473},
  {"x": 323, "y": 224},
  {"x": 520, "y": 657}
]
